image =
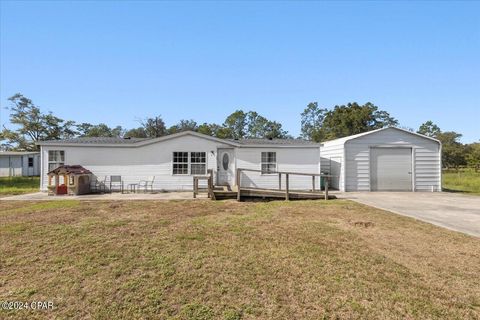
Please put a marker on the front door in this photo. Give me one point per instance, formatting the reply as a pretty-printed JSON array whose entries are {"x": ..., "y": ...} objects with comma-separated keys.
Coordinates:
[{"x": 225, "y": 172}]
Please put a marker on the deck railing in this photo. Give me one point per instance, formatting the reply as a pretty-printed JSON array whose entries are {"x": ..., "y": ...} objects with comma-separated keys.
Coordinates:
[
  {"x": 209, "y": 178},
  {"x": 287, "y": 175}
]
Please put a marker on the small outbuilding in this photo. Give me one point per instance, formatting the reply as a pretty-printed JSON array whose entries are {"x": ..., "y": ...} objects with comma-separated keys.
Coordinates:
[
  {"x": 19, "y": 163},
  {"x": 387, "y": 159},
  {"x": 71, "y": 180}
]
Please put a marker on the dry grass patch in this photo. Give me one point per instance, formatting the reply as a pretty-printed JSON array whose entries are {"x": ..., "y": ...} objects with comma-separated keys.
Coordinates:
[{"x": 229, "y": 260}]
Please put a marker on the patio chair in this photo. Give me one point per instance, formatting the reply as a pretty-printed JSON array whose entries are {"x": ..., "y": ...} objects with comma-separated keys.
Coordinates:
[
  {"x": 99, "y": 185},
  {"x": 116, "y": 181},
  {"x": 147, "y": 185}
]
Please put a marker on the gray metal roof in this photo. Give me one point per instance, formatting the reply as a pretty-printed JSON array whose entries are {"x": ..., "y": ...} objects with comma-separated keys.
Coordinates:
[
  {"x": 17, "y": 153},
  {"x": 142, "y": 141},
  {"x": 358, "y": 135},
  {"x": 283, "y": 142},
  {"x": 96, "y": 140}
]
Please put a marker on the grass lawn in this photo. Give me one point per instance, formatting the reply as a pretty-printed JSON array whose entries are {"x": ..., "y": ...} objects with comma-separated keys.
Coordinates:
[
  {"x": 466, "y": 180},
  {"x": 229, "y": 260},
  {"x": 18, "y": 185}
]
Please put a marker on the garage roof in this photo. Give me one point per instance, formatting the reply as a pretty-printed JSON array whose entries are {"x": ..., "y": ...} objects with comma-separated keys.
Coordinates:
[{"x": 355, "y": 136}]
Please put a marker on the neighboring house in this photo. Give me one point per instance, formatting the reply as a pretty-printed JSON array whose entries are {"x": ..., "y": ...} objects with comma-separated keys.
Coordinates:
[
  {"x": 174, "y": 159},
  {"x": 388, "y": 159},
  {"x": 19, "y": 163}
]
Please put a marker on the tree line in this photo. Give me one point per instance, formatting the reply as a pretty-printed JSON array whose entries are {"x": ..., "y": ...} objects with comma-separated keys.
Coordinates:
[{"x": 318, "y": 124}]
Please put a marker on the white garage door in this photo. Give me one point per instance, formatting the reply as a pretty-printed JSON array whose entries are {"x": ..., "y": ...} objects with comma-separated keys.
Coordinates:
[{"x": 391, "y": 169}]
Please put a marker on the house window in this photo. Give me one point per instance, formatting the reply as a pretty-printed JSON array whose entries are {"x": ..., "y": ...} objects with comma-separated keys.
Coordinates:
[
  {"x": 180, "y": 163},
  {"x": 30, "y": 162},
  {"x": 189, "y": 163},
  {"x": 198, "y": 163},
  {"x": 269, "y": 162},
  {"x": 56, "y": 158}
]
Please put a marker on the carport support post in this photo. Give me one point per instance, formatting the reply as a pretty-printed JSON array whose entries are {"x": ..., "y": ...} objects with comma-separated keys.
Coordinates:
[
  {"x": 287, "y": 182},
  {"x": 326, "y": 187}
]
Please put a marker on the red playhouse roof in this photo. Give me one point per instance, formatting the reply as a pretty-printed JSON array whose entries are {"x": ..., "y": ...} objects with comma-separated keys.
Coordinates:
[{"x": 76, "y": 169}]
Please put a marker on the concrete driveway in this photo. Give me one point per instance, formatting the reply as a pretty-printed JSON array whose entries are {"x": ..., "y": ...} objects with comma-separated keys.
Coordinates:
[{"x": 449, "y": 210}]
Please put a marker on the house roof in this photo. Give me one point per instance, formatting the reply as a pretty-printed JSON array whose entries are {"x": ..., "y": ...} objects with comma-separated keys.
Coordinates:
[
  {"x": 355, "y": 136},
  {"x": 137, "y": 142},
  {"x": 268, "y": 142},
  {"x": 94, "y": 140},
  {"x": 18, "y": 153}
]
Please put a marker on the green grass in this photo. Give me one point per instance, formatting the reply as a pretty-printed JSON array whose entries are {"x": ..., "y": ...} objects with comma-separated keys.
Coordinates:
[
  {"x": 18, "y": 185},
  {"x": 466, "y": 180},
  {"x": 228, "y": 260}
]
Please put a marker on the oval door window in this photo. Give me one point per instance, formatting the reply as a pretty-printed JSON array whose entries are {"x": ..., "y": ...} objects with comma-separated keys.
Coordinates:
[{"x": 225, "y": 161}]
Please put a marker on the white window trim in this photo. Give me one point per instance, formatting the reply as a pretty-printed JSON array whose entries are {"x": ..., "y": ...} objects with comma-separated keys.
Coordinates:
[
  {"x": 189, "y": 163},
  {"x": 262, "y": 163}
]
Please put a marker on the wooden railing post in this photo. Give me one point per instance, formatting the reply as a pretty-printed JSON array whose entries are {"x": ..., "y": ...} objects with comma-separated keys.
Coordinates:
[
  {"x": 238, "y": 181},
  {"x": 313, "y": 183},
  {"x": 279, "y": 181},
  {"x": 210, "y": 182},
  {"x": 326, "y": 187},
  {"x": 195, "y": 187},
  {"x": 287, "y": 182}
]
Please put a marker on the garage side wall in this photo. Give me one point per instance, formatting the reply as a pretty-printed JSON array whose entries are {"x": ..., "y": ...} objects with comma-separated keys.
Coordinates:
[
  {"x": 426, "y": 158},
  {"x": 332, "y": 161}
]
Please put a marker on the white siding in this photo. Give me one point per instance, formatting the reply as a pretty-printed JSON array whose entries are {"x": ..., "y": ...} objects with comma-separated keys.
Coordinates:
[
  {"x": 332, "y": 154},
  {"x": 10, "y": 165},
  {"x": 426, "y": 159},
  {"x": 136, "y": 163},
  {"x": 305, "y": 160},
  {"x": 31, "y": 171}
]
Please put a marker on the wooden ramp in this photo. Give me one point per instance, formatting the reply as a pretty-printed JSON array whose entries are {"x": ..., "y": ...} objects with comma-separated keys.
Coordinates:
[
  {"x": 227, "y": 192},
  {"x": 251, "y": 193}
]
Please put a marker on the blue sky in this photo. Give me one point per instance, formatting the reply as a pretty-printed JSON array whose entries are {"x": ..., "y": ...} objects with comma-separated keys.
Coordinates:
[{"x": 117, "y": 62}]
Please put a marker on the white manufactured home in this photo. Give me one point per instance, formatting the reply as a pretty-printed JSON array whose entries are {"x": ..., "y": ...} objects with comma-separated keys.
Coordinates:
[
  {"x": 174, "y": 159},
  {"x": 19, "y": 163},
  {"x": 388, "y": 159}
]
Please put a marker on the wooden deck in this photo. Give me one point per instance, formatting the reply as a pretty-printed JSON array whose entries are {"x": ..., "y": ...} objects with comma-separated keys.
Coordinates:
[{"x": 250, "y": 193}]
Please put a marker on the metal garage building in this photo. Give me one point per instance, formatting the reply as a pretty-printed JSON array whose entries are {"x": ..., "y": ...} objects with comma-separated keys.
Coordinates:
[
  {"x": 19, "y": 163},
  {"x": 388, "y": 159}
]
